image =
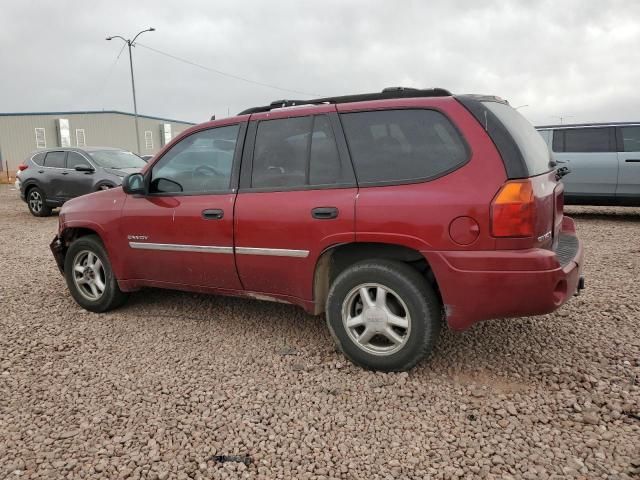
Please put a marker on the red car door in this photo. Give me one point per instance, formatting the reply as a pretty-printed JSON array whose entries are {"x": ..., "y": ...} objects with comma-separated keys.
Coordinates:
[
  {"x": 296, "y": 199},
  {"x": 181, "y": 232}
]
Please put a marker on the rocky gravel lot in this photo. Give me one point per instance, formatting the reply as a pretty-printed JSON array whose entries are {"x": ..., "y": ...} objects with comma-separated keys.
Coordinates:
[{"x": 160, "y": 387}]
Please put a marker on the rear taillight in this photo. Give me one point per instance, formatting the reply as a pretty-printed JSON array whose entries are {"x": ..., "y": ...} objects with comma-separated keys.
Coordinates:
[
  {"x": 22, "y": 167},
  {"x": 513, "y": 210}
]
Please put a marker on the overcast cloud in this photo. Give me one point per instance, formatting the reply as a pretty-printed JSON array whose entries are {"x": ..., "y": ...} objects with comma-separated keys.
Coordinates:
[{"x": 577, "y": 58}]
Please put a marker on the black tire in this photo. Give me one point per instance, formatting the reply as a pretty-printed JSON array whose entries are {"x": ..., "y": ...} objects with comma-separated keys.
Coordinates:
[
  {"x": 111, "y": 297},
  {"x": 37, "y": 202},
  {"x": 422, "y": 312}
]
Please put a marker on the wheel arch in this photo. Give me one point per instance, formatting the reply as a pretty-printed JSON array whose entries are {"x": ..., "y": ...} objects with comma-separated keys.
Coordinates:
[
  {"x": 335, "y": 259},
  {"x": 71, "y": 233}
]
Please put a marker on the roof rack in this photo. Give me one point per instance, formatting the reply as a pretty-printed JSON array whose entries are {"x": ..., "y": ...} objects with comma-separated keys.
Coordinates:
[{"x": 387, "y": 93}]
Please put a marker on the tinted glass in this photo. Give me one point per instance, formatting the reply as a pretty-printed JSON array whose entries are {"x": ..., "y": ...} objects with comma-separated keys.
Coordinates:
[
  {"x": 74, "y": 159},
  {"x": 631, "y": 139},
  {"x": 402, "y": 145},
  {"x": 199, "y": 163},
  {"x": 38, "y": 158},
  {"x": 533, "y": 148},
  {"x": 558, "y": 141},
  {"x": 280, "y": 153},
  {"x": 585, "y": 140},
  {"x": 324, "y": 162},
  {"x": 117, "y": 159},
  {"x": 55, "y": 159}
]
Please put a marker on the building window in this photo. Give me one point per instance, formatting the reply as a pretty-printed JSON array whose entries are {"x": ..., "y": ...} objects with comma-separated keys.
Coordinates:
[
  {"x": 148, "y": 139},
  {"x": 41, "y": 139},
  {"x": 81, "y": 141}
]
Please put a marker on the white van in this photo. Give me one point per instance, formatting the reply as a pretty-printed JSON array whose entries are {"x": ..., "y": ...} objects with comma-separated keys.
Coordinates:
[{"x": 604, "y": 160}]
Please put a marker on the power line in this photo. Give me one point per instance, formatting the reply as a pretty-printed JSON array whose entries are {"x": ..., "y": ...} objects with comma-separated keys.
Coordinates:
[{"x": 230, "y": 75}]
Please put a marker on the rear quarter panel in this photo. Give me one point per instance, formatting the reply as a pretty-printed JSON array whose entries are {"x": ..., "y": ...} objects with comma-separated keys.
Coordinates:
[{"x": 419, "y": 215}]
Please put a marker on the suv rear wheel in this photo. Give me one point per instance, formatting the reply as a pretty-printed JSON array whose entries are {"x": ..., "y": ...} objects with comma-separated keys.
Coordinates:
[
  {"x": 89, "y": 277},
  {"x": 383, "y": 315},
  {"x": 37, "y": 203}
]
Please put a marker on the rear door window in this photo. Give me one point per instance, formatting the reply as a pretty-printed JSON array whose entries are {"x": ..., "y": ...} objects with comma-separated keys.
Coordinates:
[
  {"x": 631, "y": 138},
  {"x": 390, "y": 146},
  {"x": 298, "y": 152},
  {"x": 55, "y": 159},
  {"x": 584, "y": 140}
]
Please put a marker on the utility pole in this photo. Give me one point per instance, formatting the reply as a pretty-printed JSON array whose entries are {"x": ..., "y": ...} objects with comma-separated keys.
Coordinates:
[
  {"x": 131, "y": 43},
  {"x": 562, "y": 117}
]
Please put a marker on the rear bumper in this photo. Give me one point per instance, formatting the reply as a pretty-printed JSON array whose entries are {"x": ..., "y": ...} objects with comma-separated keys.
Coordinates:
[{"x": 482, "y": 285}]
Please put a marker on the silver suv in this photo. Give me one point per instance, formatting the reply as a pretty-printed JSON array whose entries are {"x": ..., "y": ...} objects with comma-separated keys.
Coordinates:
[{"x": 603, "y": 159}]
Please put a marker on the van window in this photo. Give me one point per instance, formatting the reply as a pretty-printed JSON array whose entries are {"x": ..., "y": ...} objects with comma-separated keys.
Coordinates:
[
  {"x": 533, "y": 148},
  {"x": 402, "y": 145},
  {"x": 583, "y": 140},
  {"x": 631, "y": 138}
]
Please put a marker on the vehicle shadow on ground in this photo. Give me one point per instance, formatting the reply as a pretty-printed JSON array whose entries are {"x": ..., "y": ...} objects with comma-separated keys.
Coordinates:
[{"x": 500, "y": 346}]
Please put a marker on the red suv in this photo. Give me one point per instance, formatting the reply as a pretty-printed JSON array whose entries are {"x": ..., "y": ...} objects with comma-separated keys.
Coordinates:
[{"x": 390, "y": 212}]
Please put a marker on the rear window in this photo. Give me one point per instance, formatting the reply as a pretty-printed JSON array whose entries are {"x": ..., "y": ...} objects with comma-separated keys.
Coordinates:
[
  {"x": 584, "y": 140},
  {"x": 532, "y": 146},
  {"x": 402, "y": 145}
]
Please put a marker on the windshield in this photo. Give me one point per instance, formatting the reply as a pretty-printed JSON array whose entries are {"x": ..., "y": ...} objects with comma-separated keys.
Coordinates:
[
  {"x": 533, "y": 147},
  {"x": 117, "y": 159}
]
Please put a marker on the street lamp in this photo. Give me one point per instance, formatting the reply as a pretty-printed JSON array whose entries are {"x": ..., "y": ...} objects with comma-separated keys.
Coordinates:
[{"x": 131, "y": 43}]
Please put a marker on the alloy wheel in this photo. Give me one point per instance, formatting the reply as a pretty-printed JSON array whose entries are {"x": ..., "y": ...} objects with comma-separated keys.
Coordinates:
[
  {"x": 376, "y": 319},
  {"x": 89, "y": 275},
  {"x": 35, "y": 201}
]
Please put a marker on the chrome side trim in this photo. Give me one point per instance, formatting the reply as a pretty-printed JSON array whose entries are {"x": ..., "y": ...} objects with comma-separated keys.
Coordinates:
[
  {"x": 274, "y": 252},
  {"x": 171, "y": 247}
]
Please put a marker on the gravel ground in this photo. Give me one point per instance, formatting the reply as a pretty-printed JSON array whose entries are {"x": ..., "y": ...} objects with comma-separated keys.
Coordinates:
[{"x": 160, "y": 387}]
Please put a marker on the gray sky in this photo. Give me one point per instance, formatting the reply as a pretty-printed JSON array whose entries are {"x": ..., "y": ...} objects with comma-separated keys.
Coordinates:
[{"x": 578, "y": 58}]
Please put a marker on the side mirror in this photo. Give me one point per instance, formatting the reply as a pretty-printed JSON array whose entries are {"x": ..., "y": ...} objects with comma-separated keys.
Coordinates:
[
  {"x": 133, "y": 184},
  {"x": 84, "y": 168}
]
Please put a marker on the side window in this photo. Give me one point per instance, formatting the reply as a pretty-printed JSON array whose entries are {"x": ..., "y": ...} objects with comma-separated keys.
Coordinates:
[
  {"x": 199, "y": 163},
  {"x": 38, "y": 158},
  {"x": 280, "y": 152},
  {"x": 631, "y": 139},
  {"x": 583, "y": 140},
  {"x": 324, "y": 162},
  {"x": 402, "y": 145},
  {"x": 297, "y": 152},
  {"x": 558, "y": 141},
  {"x": 55, "y": 159},
  {"x": 74, "y": 159}
]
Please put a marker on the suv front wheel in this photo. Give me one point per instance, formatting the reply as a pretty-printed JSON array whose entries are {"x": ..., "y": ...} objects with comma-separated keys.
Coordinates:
[
  {"x": 383, "y": 315},
  {"x": 89, "y": 277}
]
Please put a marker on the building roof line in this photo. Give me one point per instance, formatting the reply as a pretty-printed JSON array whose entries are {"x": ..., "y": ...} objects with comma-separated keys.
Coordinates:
[{"x": 86, "y": 112}]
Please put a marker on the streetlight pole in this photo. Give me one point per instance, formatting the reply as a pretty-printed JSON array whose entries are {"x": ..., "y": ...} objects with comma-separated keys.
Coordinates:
[{"x": 131, "y": 43}]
